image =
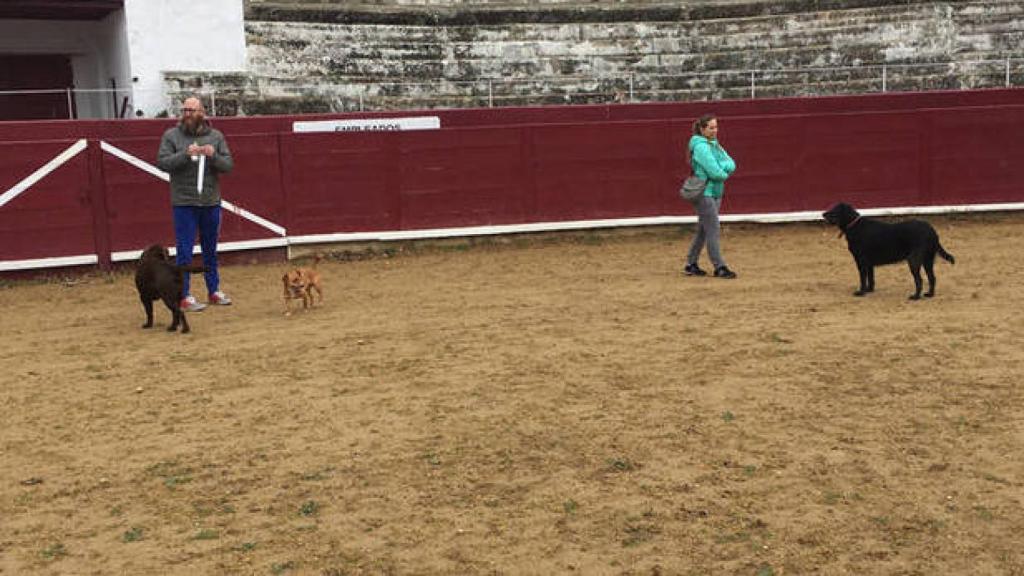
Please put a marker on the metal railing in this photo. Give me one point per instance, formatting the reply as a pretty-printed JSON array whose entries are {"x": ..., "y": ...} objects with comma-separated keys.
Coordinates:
[
  {"x": 360, "y": 95},
  {"x": 255, "y": 95}
]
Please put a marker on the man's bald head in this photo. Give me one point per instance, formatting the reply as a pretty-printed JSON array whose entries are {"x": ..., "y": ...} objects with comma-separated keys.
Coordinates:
[{"x": 192, "y": 112}]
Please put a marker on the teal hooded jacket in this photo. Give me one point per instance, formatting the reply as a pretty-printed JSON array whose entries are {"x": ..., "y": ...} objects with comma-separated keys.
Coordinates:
[{"x": 711, "y": 162}]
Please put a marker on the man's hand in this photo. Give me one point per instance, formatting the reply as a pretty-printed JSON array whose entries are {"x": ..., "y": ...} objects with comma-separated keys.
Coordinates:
[{"x": 205, "y": 150}]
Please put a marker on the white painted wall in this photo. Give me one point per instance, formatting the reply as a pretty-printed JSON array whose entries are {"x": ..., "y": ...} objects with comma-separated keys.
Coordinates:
[
  {"x": 112, "y": 42},
  {"x": 169, "y": 36}
]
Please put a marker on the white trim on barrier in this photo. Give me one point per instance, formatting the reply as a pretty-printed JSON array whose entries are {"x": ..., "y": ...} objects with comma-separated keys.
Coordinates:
[
  {"x": 127, "y": 255},
  {"x": 510, "y": 229},
  {"x": 386, "y": 236},
  {"x": 135, "y": 161},
  {"x": 147, "y": 167},
  {"x": 56, "y": 262},
  {"x": 56, "y": 162},
  {"x": 279, "y": 230}
]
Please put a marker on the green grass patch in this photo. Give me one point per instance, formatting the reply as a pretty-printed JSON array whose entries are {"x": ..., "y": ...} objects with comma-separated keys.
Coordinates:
[
  {"x": 282, "y": 567},
  {"x": 54, "y": 551},
  {"x": 309, "y": 508},
  {"x": 206, "y": 534},
  {"x": 984, "y": 513},
  {"x": 622, "y": 464},
  {"x": 172, "y": 474},
  {"x": 245, "y": 547},
  {"x": 639, "y": 533},
  {"x": 134, "y": 534}
]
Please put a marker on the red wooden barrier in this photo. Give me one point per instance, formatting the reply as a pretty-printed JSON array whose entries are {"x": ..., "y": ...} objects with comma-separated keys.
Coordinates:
[{"x": 514, "y": 167}]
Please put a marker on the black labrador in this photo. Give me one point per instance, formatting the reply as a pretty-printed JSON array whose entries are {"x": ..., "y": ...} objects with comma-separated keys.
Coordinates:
[
  {"x": 159, "y": 278},
  {"x": 874, "y": 243}
]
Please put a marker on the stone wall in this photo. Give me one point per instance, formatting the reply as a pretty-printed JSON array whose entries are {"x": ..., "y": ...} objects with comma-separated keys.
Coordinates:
[{"x": 317, "y": 57}]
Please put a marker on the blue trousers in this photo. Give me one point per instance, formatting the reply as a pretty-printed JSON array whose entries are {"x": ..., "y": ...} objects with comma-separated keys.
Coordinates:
[{"x": 205, "y": 220}]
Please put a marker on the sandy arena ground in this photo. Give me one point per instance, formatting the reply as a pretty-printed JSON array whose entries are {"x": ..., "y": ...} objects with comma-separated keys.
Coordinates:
[{"x": 528, "y": 406}]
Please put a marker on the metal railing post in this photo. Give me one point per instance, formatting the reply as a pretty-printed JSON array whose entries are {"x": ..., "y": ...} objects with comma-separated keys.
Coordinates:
[
  {"x": 213, "y": 101},
  {"x": 631, "y": 96},
  {"x": 1007, "y": 72},
  {"x": 490, "y": 93},
  {"x": 884, "y": 77},
  {"x": 71, "y": 107},
  {"x": 360, "y": 101},
  {"x": 753, "y": 84}
]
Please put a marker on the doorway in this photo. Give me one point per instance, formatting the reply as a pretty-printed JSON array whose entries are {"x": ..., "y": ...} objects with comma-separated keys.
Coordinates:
[{"x": 36, "y": 72}]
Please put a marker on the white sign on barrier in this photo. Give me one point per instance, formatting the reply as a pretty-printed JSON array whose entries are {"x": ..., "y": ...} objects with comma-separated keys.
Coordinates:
[{"x": 369, "y": 125}]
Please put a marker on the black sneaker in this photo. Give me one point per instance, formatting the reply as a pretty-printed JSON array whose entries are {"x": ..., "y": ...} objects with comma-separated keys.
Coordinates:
[
  {"x": 724, "y": 272},
  {"x": 693, "y": 270}
]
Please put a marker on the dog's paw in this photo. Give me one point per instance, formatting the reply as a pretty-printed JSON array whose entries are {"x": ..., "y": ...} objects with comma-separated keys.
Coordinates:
[
  {"x": 929, "y": 294},
  {"x": 914, "y": 297},
  {"x": 860, "y": 293},
  {"x": 148, "y": 325},
  {"x": 172, "y": 328}
]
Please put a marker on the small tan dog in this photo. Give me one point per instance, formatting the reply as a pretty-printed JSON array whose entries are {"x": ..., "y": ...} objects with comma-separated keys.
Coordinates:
[{"x": 299, "y": 283}]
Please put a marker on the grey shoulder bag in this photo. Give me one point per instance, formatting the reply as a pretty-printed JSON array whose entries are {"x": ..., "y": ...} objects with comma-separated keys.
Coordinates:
[{"x": 693, "y": 186}]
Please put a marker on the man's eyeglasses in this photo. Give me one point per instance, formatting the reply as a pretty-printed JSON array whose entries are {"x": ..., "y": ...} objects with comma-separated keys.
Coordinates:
[{"x": 189, "y": 110}]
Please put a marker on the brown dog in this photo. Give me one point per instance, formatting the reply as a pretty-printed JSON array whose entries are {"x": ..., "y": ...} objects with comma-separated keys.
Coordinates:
[
  {"x": 300, "y": 283},
  {"x": 159, "y": 278}
]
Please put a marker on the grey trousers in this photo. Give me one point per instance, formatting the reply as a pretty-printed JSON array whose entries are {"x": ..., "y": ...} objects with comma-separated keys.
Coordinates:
[{"x": 707, "y": 232}]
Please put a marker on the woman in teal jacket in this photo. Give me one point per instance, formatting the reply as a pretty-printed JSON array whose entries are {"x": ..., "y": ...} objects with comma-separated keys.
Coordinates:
[{"x": 711, "y": 162}]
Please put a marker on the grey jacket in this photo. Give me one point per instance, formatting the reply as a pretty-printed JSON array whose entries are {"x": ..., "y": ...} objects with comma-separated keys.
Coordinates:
[{"x": 172, "y": 158}]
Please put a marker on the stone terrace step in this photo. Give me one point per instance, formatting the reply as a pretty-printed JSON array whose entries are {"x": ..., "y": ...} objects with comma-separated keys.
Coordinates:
[{"x": 447, "y": 53}]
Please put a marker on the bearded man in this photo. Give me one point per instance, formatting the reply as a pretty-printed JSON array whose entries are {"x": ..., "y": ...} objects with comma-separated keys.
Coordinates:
[{"x": 195, "y": 155}]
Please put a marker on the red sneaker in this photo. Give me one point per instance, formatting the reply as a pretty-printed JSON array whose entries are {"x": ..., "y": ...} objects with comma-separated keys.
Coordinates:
[
  {"x": 219, "y": 298},
  {"x": 190, "y": 304}
]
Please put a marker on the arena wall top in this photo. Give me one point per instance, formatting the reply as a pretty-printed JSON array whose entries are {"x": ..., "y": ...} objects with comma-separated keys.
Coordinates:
[{"x": 484, "y": 12}]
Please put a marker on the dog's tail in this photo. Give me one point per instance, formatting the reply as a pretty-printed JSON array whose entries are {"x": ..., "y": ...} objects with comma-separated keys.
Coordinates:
[
  {"x": 946, "y": 255},
  {"x": 316, "y": 259}
]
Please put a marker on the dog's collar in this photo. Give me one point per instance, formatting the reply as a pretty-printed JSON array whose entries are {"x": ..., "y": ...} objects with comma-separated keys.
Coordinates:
[{"x": 844, "y": 229}]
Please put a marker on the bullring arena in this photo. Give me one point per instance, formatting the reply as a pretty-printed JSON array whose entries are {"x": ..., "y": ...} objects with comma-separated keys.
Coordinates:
[
  {"x": 509, "y": 374},
  {"x": 528, "y": 405}
]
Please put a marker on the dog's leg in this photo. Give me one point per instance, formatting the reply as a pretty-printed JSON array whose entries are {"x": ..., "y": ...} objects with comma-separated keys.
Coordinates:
[
  {"x": 184, "y": 323},
  {"x": 863, "y": 271},
  {"x": 915, "y": 270},
  {"x": 871, "y": 278},
  {"x": 148, "y": 305},
  {"x": 287, "y": 296},
  {"x": 319, "y": 293},
  {"x": 929, "y": 270},
  {"x": 176, "y": 312}
]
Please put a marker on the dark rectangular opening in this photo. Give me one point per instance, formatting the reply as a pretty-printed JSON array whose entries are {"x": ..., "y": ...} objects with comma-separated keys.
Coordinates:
[{"x": 48, "y": 72}]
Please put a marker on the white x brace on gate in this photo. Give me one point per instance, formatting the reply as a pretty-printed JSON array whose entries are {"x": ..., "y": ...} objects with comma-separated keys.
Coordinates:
[{"x": 84, "y": 259}]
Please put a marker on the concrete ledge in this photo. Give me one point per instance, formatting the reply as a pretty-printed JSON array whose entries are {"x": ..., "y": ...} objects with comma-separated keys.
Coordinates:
[{"x": 348, "y": 13}]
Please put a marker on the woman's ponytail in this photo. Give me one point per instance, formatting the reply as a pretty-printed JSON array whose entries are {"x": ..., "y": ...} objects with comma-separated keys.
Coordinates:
[{"x": 701, "y": 123}]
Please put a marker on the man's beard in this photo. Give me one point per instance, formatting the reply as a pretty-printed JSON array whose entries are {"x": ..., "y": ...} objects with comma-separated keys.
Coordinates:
[{"x": 192, "y": 123}]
